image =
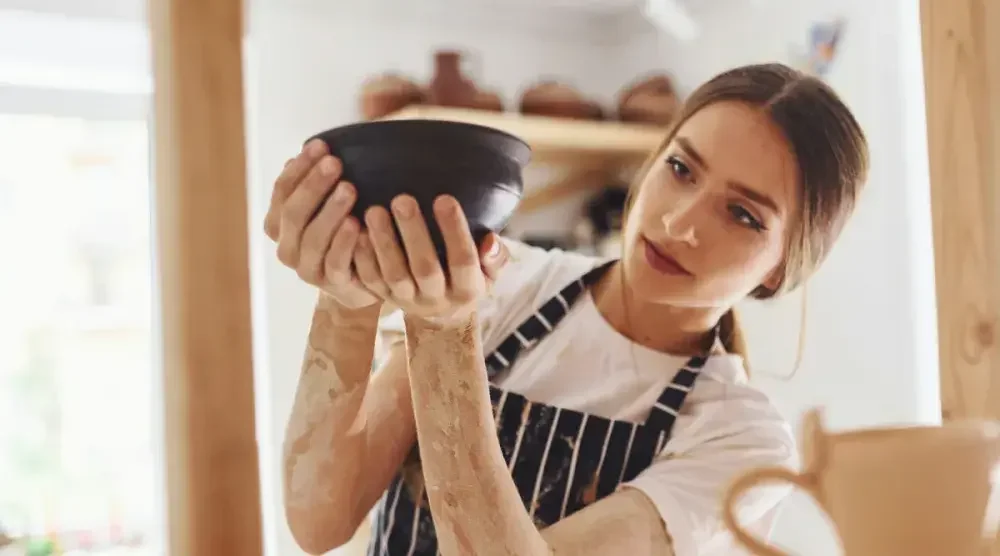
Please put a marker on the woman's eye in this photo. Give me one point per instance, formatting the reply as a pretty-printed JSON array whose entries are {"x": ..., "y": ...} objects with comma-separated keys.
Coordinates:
[
  {"x": 680, "y": 169},
  {"x": 744, "y": 217}
]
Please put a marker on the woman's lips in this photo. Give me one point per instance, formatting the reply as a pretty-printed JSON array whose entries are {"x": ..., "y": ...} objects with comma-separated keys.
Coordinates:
[{"x": 661, "y": 261}]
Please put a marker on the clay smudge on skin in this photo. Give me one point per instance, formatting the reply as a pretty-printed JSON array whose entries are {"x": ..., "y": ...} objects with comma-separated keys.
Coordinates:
[
  {"x": 319, "y": 386},
  {"x": 438, "y": 358},
  {"x": 324, "y": 402},
  {"x": 312, "y": 431},
  {"x": 306, "y": 469},
  {"x": 464, "y": 491}
]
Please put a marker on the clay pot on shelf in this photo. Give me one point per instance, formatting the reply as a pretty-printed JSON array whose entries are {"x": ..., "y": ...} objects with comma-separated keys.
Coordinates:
[
  {"x": 559, "y": 100},
  {"x": 488, "y": 101},
  {"x": 449, "y": 86},
  {"x": 650, "y": 100},
  {"x": 387, "y": 93}
]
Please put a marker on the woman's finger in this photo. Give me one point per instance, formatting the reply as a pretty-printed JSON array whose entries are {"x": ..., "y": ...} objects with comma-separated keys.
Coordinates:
[
  {"x": 467, "y": 280},
  {"x": 301, "y": 206},
  {"x": 493, "y": 256},
  {"x": 389, "y": 254},
  {"x": 320, "y": 231},
  {"x": 337, "y": 262},
  {"x": 293, "y": 173},
  {"x": 366, "y": 266},
  {"x": 423, "y": 260}
]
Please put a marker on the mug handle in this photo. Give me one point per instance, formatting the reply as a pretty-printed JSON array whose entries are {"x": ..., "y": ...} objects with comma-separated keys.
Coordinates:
[{"x": 744, "y": 484}]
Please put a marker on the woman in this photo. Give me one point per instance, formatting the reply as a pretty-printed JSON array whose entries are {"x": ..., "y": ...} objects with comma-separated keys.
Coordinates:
[{"x": 567, "y": 405}]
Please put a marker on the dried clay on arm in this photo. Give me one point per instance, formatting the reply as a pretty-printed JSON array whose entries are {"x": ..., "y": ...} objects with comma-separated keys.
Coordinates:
[
  {"x": 326, "y": 410},
  {"x": 474, "y": 502}
]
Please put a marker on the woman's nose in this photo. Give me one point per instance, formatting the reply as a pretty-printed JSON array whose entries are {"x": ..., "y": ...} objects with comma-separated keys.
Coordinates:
[{"x": 680, "y": 220}]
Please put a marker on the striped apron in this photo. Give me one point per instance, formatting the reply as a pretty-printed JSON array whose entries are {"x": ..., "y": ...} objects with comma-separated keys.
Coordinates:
[{"x": 561, "y": 460}]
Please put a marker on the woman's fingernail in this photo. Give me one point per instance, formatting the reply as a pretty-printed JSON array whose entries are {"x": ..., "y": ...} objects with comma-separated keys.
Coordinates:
[
  {"x": 342, "y": 192},
  {"x": 316, "y": 147},
  {"x": 372, "y": 217},
  {"x": 403, "y": 206},
  {"x": 494, "y": 247},
  {"x": 328, "y": 166},
  {"x": 446, "y": 205}
]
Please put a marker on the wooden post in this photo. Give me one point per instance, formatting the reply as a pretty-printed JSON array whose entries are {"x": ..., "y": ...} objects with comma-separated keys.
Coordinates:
[
  {"x": 961, "y": 44},
  {"x": 201, "y": 211}
]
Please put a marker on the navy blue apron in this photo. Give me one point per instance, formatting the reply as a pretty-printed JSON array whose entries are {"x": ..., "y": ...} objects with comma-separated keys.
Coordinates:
[{"x": 560, "y": 459}]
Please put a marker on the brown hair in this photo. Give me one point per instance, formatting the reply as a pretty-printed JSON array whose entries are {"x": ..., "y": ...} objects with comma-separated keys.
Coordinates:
[{"x": 832, "y": 155}]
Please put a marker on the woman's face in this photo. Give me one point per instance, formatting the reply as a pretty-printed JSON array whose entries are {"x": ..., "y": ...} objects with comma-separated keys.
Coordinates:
[{"x": 710, "y": 221}]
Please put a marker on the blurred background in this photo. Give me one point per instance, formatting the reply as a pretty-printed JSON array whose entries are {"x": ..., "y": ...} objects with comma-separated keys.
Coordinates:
[{"x": 79, "y": 385}]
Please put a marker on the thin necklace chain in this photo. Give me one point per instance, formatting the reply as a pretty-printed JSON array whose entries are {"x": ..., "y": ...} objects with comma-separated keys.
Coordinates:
[
  {"x": 628, "y": 317},
  {"x": 629, "y": 325}
]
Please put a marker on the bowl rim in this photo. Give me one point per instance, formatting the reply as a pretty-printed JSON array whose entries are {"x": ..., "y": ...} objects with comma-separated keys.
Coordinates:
[{"x": 510, "y": 138}]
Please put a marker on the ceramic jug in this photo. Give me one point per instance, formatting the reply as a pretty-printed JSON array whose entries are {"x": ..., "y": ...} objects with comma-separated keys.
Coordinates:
[
  {"x": 450, "y": 86},
  {"x": 908, "y": 491}
]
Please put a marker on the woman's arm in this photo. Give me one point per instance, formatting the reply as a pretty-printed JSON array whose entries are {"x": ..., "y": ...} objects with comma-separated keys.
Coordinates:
[
  {"x": 475, "y": 504},
  {"x": 625, "y": 522},
  {"x": 671, "y": 507},
  {"x": 347, "y": 435}
]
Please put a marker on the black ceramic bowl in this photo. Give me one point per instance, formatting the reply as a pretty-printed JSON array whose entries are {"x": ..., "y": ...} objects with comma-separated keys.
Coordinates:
[{"x": 479, "y": 166}]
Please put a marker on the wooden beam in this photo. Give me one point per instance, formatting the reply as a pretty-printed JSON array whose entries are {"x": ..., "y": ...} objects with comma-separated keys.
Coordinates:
[
  {"x": 961, "y": 46},
  {"x": 201, "y": 211}
]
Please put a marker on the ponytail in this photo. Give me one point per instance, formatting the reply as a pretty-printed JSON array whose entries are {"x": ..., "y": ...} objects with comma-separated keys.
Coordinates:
[{"x": 731, "y": 336}]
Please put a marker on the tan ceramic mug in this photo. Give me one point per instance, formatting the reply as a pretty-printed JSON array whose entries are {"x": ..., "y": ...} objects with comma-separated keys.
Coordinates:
[{"x": 913, "y": 491}]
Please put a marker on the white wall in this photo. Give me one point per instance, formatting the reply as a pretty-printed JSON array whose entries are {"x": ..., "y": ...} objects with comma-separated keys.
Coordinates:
[{"x": 871, "y": 353}]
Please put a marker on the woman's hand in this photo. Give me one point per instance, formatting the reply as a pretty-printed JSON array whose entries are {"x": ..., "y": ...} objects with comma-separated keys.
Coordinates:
[
  {"x": 411, "y": 276},
  {"x": 315, "y": 234}
]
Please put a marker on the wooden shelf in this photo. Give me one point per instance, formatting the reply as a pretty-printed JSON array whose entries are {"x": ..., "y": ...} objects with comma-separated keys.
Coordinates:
[{"x": 556, "y": 139}]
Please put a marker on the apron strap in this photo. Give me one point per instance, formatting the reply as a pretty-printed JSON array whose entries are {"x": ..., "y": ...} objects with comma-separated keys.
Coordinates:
[
  {"x": 668, "y": 405},
  {"x": 543, "y": 321}
]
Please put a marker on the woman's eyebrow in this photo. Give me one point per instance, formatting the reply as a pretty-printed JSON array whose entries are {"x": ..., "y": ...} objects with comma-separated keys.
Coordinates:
[{"x": 688, "y": 148}]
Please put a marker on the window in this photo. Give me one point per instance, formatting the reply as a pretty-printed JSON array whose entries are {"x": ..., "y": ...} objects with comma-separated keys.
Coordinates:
[
  {"x": 76, "y": 368},
  {"x": 79, "y": 431}
]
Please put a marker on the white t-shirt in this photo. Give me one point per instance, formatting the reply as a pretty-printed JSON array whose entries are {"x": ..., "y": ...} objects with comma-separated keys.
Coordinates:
[{"x": 724, "y": 428}]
